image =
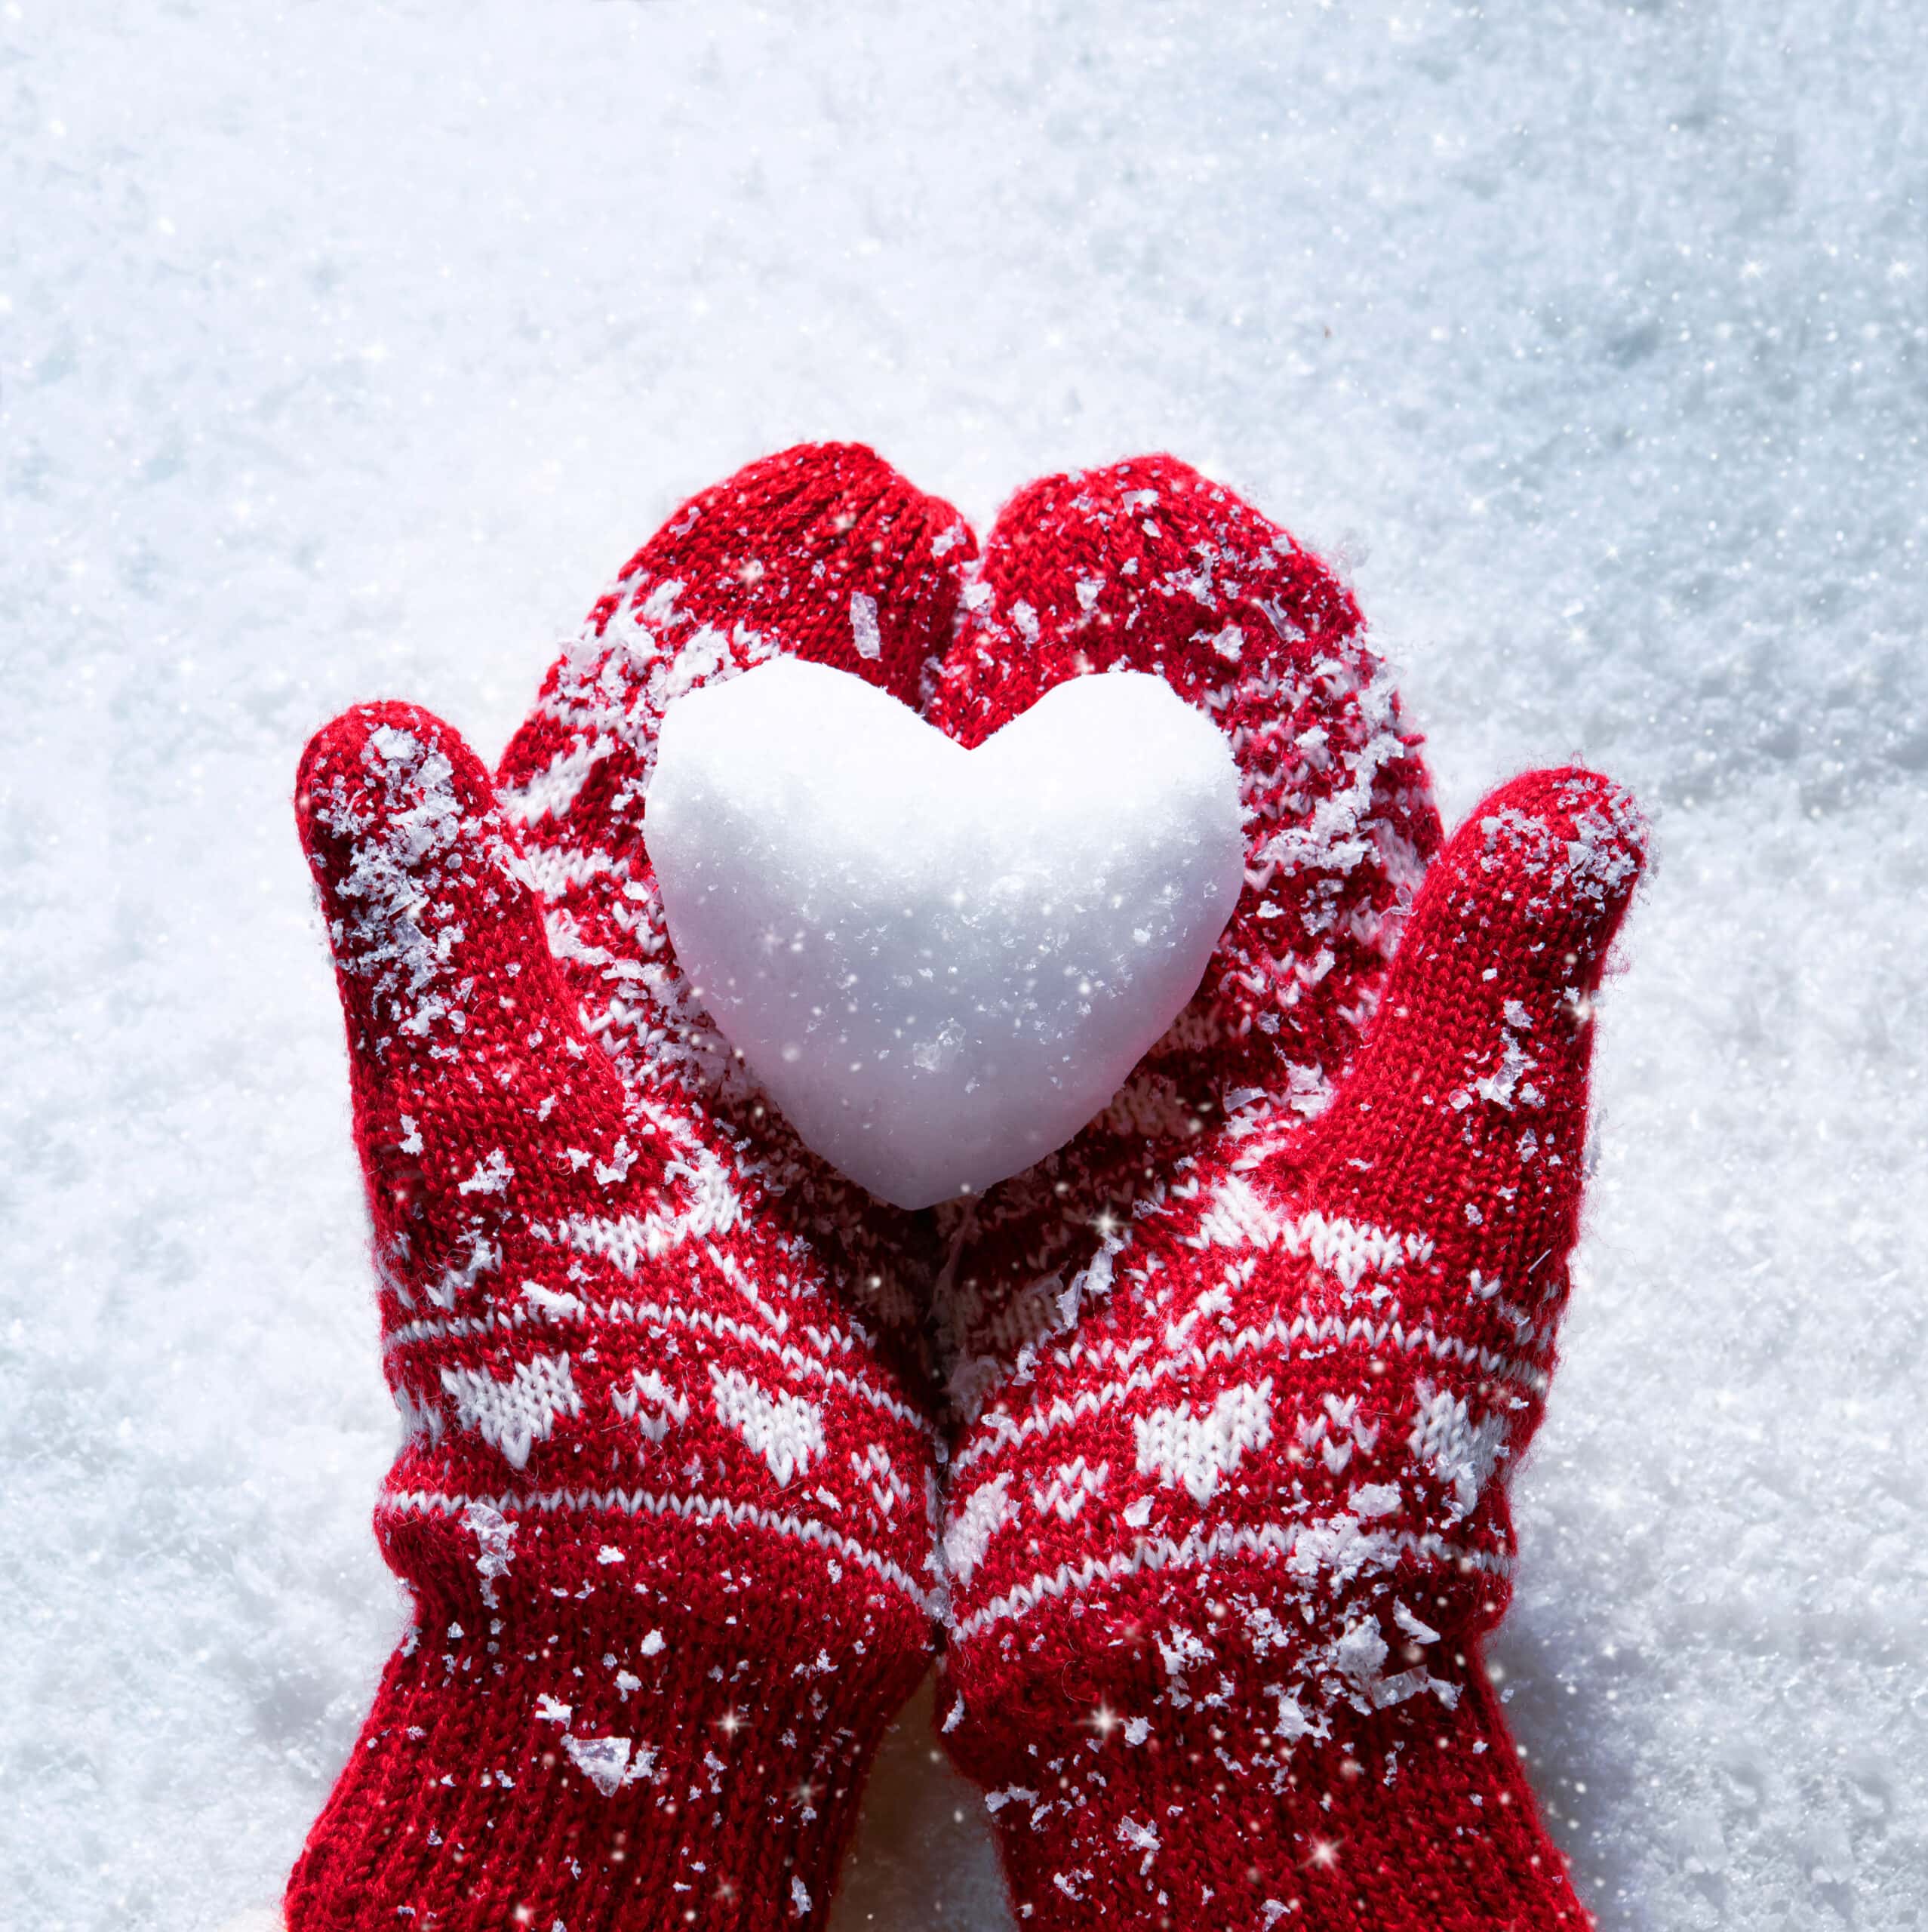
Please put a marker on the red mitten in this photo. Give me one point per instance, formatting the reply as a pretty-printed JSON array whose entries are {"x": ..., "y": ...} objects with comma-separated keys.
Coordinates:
[
  {"x": 664, "y": 1505},
  {"x": 1248, "y": 1364},
  {"x": 822, "y": 552}
]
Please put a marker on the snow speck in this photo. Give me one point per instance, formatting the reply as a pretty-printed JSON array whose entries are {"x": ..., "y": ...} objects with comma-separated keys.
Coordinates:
[
  {"x": 1605, "y": 327},
  {"x": 863, "y": 626}
]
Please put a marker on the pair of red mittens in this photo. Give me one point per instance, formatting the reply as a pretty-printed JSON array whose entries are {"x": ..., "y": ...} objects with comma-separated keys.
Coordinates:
[{"x": 1211, "y": 1410}]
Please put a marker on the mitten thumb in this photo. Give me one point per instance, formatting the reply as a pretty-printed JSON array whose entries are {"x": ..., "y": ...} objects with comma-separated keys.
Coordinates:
[
  {"x": 463, "y": 1041},
  {"x": 1463, "y": 1120}
]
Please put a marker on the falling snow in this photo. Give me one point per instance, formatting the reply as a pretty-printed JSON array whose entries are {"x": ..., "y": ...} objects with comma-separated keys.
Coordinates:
[{"x": 345, "y": 351}]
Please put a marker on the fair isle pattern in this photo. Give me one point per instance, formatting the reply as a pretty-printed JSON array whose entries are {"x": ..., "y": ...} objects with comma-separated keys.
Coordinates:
[
  {"x": 1148, "y": 566},
  {"x": 1235, "y": 1379},
  {"x": 665, "y": 1504},
  {"x": 822, "y": 552},
  {"x": 1296, "y": 1294}
]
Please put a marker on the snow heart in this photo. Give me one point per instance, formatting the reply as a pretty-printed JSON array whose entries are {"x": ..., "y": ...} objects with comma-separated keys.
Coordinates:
[{"x": 940, "y": 963}]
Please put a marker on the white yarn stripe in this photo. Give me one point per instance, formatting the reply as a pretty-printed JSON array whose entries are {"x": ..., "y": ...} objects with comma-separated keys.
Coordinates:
[
  {"x": 996, "y": 1431},
  {"x": 1528, "y": 1371},
  {"x": 1271, "y": 1541},
  {"x": 1240, "y": 1216},
  {"x": 624, "y": 1240},
  {"x": 660, "y": 1314},
  {"x": 691, "y": 1509}
]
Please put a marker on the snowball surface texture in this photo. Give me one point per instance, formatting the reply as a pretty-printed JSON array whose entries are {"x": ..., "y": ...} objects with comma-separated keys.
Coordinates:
[{"x": 941, "y": 963}]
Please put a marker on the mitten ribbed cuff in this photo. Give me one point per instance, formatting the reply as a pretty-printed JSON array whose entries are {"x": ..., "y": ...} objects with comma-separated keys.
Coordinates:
[
  {"x": 523, "y": 1767},
  {"x": 1419, "y": 1817}
]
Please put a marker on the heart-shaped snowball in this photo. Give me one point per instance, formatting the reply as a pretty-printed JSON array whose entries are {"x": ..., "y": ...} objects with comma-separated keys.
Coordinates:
[{"x": 941, "y": 963}]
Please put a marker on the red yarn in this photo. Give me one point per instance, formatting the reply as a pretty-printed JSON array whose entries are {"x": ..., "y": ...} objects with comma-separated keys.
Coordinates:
[
  {"x": 1240, "y": 1370},
  {"x": 1232, "y": 1383},
  {"x": 664, "y": 1506}
]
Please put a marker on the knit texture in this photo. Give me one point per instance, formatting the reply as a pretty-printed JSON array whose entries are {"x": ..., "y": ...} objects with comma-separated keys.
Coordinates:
[
  {"x": 665, "y": 1506},
  {"x": 1148, "y": 566},
  {"x": 822, "y": 553},
  {"x": 1239, "y": 1374},
  {"x": 1419, "y": 1816},
  {"x": 1230, "y": 1386}
]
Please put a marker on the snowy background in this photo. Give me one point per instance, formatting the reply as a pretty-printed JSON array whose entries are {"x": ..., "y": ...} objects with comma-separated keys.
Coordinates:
[{"x": 345, "y": 351}]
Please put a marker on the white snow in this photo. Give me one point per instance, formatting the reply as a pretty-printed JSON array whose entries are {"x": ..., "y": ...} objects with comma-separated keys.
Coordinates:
[
  {"x": 986, "y": 1510},
  {"x": 607, "y": 1762},
  {"x": 345, "y": 351},
  {"x": 942, "y": 962}
]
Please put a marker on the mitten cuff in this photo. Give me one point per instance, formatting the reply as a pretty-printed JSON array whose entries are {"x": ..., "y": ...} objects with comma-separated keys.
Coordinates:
[
  {"x": 526, "y": 1766},
  {"x": 1418, "y": 1816}
]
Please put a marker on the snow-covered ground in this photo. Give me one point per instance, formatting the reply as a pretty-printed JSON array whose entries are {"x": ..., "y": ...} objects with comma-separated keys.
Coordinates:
[{"x": 345, "y": 350}]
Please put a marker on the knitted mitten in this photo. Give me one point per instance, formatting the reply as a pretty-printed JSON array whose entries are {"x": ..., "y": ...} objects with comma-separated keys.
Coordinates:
[
  {"x": 822, "y": 552},
  {"x": 664, "y": 1503},
  {"x": 1243, "y": 1369}
]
